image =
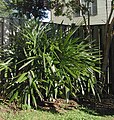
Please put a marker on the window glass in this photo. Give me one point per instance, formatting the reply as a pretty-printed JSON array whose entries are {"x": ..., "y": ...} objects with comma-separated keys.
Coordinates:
[{"x": 92, "y": 8}]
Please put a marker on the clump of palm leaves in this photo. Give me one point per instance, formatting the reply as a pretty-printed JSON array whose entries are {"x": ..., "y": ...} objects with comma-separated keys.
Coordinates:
[{"x": 43, "y": 62}]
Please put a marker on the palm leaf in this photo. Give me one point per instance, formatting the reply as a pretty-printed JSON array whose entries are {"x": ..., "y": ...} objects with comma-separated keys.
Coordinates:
[
  {"x": 22, "y": 78},
  {"x": 38, "y": 92},
  {"x": 27, "y": 63}
]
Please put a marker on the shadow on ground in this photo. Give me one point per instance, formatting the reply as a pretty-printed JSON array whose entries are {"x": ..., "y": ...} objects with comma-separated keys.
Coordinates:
[{"x": 105, "y": 107}]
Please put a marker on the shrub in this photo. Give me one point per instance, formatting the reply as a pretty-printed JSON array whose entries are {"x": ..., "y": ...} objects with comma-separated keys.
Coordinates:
[{"x": 43, "y": 62}]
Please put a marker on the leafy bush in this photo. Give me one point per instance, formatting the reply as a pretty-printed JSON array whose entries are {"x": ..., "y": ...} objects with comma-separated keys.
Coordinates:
[{"x": 43, "y": 62}]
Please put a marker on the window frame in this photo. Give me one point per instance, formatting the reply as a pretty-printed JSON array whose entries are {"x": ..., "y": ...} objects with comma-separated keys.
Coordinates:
[{"x": 92, "y": 6}]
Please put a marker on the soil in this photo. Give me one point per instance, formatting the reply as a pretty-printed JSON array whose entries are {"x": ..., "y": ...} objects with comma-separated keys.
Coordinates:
[
  {"x": 105, "y": 107},
  {"x": 58, "y": 105}
]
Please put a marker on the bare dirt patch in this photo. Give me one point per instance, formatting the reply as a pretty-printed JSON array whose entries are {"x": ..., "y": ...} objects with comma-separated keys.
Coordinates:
[{"x": 58, "y": 105}]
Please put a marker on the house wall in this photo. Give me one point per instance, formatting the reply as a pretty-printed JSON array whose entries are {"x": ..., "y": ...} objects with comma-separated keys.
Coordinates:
[{"x": 100, "y": 18}]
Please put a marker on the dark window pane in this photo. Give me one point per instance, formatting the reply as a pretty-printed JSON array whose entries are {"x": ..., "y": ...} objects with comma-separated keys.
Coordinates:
[{"x": 94, "y": 6}]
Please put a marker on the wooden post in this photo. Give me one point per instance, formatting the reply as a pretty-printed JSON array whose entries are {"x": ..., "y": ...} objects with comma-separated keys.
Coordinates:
[{"x": 111, "y": 63}]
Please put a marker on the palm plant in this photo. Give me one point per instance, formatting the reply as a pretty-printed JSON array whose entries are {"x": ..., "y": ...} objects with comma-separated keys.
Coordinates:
[{"x": 43, "y": 62}]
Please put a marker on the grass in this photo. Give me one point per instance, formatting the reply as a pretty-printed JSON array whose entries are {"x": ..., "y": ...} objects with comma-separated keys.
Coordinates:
[{"x": 79, "y": 114}]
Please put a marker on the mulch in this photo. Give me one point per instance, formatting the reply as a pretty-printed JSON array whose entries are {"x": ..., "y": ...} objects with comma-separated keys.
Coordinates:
[
  {"x": 58, "y": 105},
  {"x": 105, "y": 107}
]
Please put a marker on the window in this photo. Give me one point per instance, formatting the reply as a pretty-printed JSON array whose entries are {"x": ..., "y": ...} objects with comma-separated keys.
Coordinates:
[{"x": 92, "y": 8}]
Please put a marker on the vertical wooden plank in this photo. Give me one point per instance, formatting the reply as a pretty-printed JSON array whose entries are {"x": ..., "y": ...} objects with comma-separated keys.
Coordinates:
[
  {"x": 102, "y": 37},
  {"x": 95, "y": 37},
  {"x": 111, "y": 67},
  {"x": 95, "y": 33},
  {"x": 1, "y": 47},
  {"x": 92, "y": 32},
  {"x": 81, "y": 32},
  {"x": 2, "y": 31},
  {"x": 111, "y": 64}
]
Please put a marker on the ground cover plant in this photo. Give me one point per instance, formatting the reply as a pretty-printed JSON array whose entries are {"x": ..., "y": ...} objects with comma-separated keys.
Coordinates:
[{"x": 43, "y": 62}]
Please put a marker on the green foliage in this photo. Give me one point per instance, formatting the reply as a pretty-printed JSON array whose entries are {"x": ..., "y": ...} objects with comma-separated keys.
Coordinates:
[
  {"x": 43, "y": 62},
  {"x": 70, "y": 7},
  {"x": 18, "y": 8},
  {"x": 22, "y": 8},
  {"x": 4, "y": 11}
]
